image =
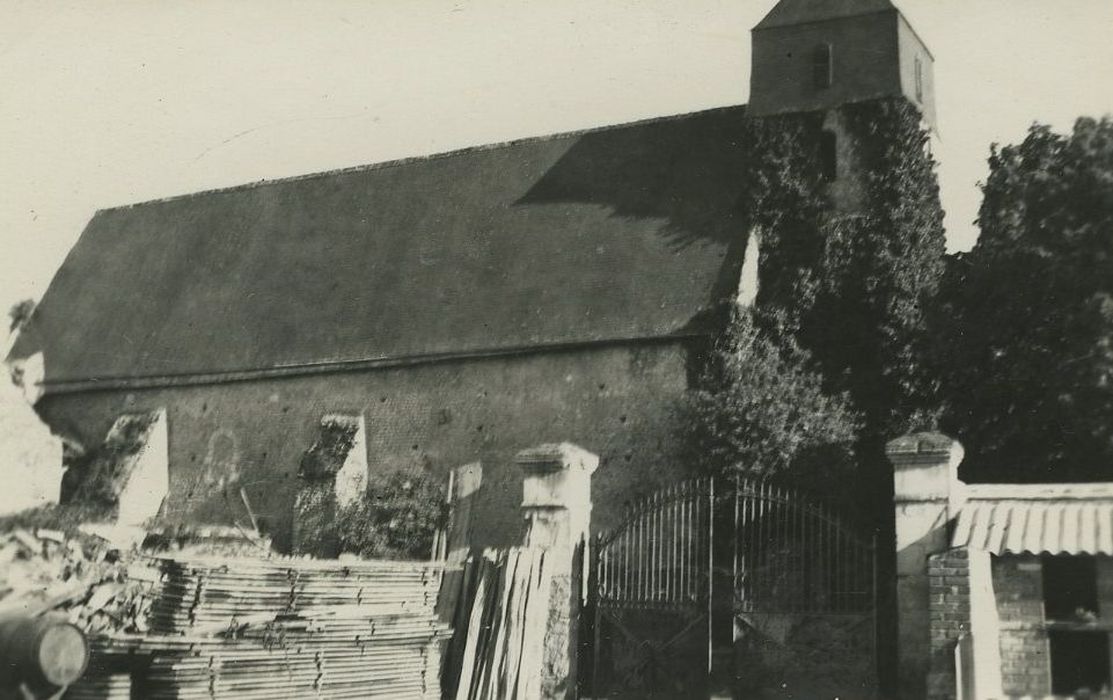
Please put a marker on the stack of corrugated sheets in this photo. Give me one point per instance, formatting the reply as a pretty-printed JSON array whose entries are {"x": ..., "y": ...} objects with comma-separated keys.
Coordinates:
[
  {"x": 206, "y": 593},
  {"x": 262, "y": 628},
  {"x": 96, "y": 686}
]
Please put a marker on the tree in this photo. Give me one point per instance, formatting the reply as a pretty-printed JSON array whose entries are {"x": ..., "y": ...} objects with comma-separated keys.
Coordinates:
[
  {"x": 20, "y": 314},
  {"x": 761, "y": 409},
  {"x": 1025, "y": 319}
]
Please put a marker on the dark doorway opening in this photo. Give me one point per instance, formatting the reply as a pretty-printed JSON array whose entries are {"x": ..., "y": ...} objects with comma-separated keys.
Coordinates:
[
  {"x": 1070, "y": 588},
  {"x": 1079, "y": 661},
  {"x": 1079, "y": 656},
  {"x": 828, "y": 155}
]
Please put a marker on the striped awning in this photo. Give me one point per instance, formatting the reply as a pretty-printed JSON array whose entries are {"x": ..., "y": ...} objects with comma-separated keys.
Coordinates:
[{"x": 1037, "y": 518}]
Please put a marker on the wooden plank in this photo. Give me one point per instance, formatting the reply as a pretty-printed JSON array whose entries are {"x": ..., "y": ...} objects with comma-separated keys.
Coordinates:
[
  {"x": 467, "y": 482},
  {"x": 500, "y": 630},
  {"x": 454, "y": 651},
  {"x": 519, "y": 630},
  {"x": 534, "y": 628},
  {"x": 490, "y": 622},
  {"x": 468, "y": 660},
  {"x": 454, "y": 547}
]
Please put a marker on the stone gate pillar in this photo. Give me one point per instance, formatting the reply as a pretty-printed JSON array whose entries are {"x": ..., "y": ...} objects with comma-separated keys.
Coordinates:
[
  {"x": 556, "y": 506},
  {"x": 927, "y": 495}
]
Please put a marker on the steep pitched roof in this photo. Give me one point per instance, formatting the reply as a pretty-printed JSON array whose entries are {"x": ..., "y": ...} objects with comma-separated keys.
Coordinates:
[
  {"x": 620, "y": 233},
  {"x": 789, "y": 12}
]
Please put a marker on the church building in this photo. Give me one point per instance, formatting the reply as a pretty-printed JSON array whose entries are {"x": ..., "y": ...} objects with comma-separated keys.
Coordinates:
[{"x": 465, "y": 305}]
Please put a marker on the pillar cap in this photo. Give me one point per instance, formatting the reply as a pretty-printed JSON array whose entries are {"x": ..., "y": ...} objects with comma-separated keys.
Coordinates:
[
  {"x": 925, "y": 468},
  {"x": 557, "y": 456},
  {"x": 925, "y": 447}
]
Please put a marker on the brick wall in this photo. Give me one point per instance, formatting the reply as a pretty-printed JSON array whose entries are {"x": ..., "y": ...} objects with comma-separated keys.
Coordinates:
[
  {"x": 1025, "y": 663},
  {"x": 949, "y": 607}
]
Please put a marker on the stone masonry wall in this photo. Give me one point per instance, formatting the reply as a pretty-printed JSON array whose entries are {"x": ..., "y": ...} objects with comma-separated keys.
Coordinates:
[
  {"x": 1025, "y": 663},
  {"x": 614, "y": 401},
  {"x": 865, "y": 59},
  {"x": 949, "y": 607}
]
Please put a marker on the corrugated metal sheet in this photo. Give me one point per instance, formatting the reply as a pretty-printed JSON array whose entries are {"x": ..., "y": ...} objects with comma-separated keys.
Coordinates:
[{"x": 1054, "y": 519}]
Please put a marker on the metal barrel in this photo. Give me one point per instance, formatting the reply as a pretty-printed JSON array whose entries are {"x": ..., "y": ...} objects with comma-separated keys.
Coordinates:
[{"x": 43, "y": 651}]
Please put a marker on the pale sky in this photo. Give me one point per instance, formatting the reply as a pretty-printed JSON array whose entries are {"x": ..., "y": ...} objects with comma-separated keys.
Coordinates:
[{"x": 108, "y": 103}]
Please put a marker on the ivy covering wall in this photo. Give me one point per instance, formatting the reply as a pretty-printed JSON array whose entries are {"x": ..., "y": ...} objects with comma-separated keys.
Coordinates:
[{"x": 843, "y": 290}]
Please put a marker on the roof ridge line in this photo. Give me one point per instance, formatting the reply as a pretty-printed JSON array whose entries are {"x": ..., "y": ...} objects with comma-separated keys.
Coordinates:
[
  {"x": 407, "y": 160},
  {"x": 759, "y": 28}
]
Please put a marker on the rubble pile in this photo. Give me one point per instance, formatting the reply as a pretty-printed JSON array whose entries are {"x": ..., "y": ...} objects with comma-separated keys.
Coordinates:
[
  {"x": 84, "y": 577},
  {"x": 274, "y": 628},
  {"x": 206, "y": 540}
]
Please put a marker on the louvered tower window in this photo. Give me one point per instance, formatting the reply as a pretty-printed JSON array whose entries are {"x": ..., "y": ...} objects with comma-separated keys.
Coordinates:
[
  {"x": 822, "y": 67},
  {"x": 828, "y": 155}
]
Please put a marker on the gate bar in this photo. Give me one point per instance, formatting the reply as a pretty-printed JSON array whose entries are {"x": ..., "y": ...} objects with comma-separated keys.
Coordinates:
[{"x": 710, "y": 565}]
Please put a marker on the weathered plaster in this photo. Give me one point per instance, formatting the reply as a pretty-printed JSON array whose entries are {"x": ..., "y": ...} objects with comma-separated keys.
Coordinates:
[{"x": 615, "y": 401}]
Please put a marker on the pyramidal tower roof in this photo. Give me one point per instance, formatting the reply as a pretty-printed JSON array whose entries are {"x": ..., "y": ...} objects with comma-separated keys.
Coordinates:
[{"x": 790, "y": 12}]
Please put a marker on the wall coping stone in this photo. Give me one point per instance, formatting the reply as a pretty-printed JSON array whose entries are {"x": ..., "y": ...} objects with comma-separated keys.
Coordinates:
[
  {"x": 557, "y": 456},
  {"x": 917, "y": 448}
]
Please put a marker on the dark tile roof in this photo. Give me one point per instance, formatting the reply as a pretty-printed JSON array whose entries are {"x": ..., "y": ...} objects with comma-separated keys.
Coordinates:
[
  {"x": 788, "y": 12},
  {"x": 619, "y": 233}
]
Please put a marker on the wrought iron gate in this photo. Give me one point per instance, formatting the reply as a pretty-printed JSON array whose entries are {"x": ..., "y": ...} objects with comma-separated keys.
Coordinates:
[{"x": 743, "y": 577}]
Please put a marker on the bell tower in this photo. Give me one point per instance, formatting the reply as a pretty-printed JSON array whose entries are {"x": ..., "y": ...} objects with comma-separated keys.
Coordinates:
[{"x": 816, "y": 55}]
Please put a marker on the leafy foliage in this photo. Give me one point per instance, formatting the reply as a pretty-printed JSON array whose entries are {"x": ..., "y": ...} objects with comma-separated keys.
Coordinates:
[
  {"x": 66, "y": 517},
  {"x": 784, "y": 200},
  {"x": 1026, "y": 317},
  {"x": 20, "y": 314},
  {"x": 762, "y": 409},
  {"x": 847, "y": 270},
  {"x": 397, "y": 520}
]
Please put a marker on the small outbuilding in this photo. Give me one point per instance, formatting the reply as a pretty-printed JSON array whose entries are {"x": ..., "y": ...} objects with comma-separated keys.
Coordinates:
[
  {"x": 1018, "y": 580},
  {"x": 1051, "y": 582}
]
